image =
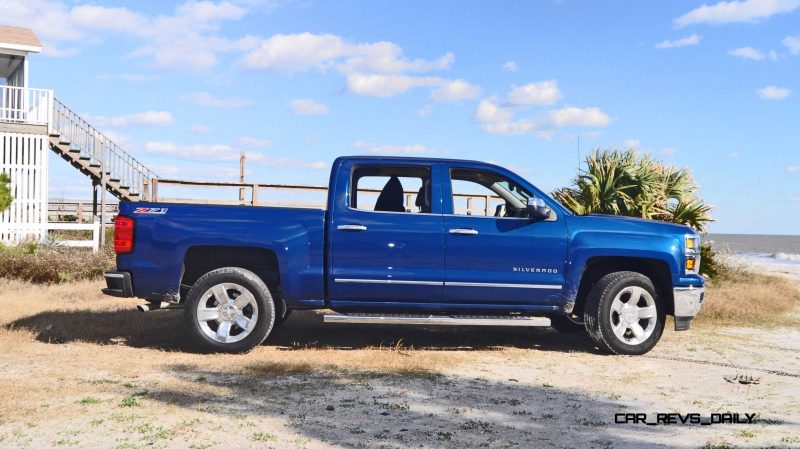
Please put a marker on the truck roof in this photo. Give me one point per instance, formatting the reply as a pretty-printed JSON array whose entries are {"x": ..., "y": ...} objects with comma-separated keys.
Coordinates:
[{"x": 413, "y": 159}]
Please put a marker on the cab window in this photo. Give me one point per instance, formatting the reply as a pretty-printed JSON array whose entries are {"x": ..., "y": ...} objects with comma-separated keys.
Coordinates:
[
  {"x": 487, "y": 194},
  {"x": 391, "y": 188}
]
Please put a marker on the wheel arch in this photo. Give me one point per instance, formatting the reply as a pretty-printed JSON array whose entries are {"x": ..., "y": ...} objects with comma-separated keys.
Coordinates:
[
  {"x": 201, "y": 259},
  {"x": 598, "y": 266}
]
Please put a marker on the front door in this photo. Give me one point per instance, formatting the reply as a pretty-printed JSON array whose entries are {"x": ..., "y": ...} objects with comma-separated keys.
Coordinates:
[
  {"x": 387, "y": 241},
  {"x": 494, "y": 253}
]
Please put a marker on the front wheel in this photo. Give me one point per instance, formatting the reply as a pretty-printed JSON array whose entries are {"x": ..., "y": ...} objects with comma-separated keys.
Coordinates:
[
  {"x": 229, "y": 310},
  {"x": 623, "y": 314}
]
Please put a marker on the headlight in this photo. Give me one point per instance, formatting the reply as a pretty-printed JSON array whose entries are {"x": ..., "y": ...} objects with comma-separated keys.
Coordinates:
[{"x": 692, "y": 252}]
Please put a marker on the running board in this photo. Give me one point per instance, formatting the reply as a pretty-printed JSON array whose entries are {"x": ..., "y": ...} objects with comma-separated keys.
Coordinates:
[{"x": 438, "y": 320}]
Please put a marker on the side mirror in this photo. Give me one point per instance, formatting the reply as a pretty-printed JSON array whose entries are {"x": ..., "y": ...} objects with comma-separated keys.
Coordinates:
[{"x": 537, "y": 209}]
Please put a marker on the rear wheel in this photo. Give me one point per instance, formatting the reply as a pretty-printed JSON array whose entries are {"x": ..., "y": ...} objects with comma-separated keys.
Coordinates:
[
  {"x": 229, "y": 310},
  {"x": 623, "y": 314}
]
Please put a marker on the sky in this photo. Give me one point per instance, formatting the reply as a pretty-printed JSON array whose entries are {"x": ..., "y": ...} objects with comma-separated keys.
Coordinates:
[{"x": 530, "y": 85}]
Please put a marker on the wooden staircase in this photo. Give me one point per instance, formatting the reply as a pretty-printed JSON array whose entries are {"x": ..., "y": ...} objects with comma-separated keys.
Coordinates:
[{"x": 92, "y": 153}]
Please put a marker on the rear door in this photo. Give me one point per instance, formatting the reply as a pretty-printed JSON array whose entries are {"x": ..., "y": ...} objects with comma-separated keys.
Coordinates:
[
  {"x": 495, "y": 254},
  {"x": 386, "y": 234}
]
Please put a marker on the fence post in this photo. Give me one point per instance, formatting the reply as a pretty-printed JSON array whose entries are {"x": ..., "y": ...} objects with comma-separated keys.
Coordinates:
[
  {"x": 255, "y": 195},
  {"x": 96, "y": 230},
  {"x": 154, "y": 190}
]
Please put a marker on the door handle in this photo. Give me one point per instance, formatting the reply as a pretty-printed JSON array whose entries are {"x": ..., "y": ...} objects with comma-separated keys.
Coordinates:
[
  {"x": 460, "y": 231},
  {"x": 351, "y": 227}
]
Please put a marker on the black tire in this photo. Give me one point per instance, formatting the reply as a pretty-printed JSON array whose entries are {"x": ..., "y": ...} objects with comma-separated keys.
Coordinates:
[
  {"x": 567, "y": 324},
  {"x": 600, "y": 321},
  {"x": 265, "y": 309}
]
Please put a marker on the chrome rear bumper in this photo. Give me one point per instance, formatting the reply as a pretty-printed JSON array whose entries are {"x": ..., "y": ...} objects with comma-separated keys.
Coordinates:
[{"x": 688, "y": 301}]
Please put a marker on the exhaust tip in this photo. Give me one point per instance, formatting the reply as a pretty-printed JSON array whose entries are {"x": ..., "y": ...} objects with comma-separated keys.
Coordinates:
[{"x": 143, "y": 307}]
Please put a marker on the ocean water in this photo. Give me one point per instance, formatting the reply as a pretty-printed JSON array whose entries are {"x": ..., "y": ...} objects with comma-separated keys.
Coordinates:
[
  {"x": 777, "y": 254},
  {"x": 780, "y": 249}
]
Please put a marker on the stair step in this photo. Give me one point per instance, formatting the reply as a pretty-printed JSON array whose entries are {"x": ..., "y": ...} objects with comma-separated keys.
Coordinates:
[
  {"x": 437, "y": 320},
  {"x": 75, "y": 150}
]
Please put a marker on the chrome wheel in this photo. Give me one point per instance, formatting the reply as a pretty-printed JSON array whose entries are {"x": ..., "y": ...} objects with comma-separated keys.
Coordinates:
[
  {"x": 227, "y": 313},
  {"x": 633, "y": 315}
]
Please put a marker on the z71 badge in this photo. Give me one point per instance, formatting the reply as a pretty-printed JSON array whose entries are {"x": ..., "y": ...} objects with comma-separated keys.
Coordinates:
[{"x": 151, "y": 210}]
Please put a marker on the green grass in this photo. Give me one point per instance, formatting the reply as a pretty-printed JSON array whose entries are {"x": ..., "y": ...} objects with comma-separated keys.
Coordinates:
[{"x": 263, "y": 436}]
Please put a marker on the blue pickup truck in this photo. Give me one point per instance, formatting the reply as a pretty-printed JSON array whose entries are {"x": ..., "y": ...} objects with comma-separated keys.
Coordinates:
[{"x": 410, "y": 241}]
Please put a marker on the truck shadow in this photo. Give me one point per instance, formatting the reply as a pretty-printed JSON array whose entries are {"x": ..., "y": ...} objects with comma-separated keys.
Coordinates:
[
  {"x": 166, "y": 330},
  {"x": 363, "y": 408}
]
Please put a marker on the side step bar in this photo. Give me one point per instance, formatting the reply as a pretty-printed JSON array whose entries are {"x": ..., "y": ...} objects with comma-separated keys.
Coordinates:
[{"x": 438, "y": 320}]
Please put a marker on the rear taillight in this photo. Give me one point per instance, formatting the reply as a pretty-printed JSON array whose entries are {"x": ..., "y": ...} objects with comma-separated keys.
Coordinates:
[{"x": 123, "y": 235}]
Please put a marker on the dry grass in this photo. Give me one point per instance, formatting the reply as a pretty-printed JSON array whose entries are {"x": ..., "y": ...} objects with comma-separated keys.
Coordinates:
[
  {"x": 740, "y": 297},
  {"x": 86, "y": 370},
  {"x": 53, "y": 264}
]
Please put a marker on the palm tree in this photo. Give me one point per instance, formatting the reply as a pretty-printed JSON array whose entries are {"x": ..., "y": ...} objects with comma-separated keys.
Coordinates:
[{"x": 632, "y": 184}]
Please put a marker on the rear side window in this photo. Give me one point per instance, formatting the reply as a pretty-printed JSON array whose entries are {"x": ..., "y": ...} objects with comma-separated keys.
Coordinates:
[{"x": 391, "y": 188}]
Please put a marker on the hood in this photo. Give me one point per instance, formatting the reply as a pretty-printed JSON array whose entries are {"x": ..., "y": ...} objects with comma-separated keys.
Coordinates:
[{"x": 629, "y": 224}]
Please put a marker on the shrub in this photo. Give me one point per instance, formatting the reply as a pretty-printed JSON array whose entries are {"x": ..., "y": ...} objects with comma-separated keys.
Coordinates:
[
  {"x": 52, "y": 264},
  {"x": 5, "y": 191}
]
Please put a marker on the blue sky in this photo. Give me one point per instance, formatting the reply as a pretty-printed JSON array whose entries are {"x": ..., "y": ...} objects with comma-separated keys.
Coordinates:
[{"x": 185, "y": 86}]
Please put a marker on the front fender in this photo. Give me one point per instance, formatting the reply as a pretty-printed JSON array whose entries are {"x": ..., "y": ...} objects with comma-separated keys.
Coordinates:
[{"x": 589, "y": 244}]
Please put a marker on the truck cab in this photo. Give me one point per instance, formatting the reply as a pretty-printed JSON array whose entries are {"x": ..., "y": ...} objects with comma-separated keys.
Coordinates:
[{"x": 411, "y": 240}]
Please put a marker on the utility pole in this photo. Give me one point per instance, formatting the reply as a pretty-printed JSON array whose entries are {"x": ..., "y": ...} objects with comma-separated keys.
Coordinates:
[{"x": 241, "y": 176}]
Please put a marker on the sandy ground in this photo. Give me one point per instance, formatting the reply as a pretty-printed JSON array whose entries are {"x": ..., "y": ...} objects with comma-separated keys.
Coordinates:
[{"x": 81, "y": 370}]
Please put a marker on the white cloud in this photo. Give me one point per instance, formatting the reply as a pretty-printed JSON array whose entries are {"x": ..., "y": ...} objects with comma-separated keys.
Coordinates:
[
  {"x": 510, "y": 66},
  {"x": 734, "y": 154},
  {"x": 574, "y": 116},
  {"x": 773, "y": 93},
  {"x": 252, "y": 142},
  {"x": 669, "y": 152},
  {"x": 307, "y": 106},
  {"x": 128, "y": 77},
  {"x": 392, "y": 149},
  {"x": 541, "y": 93},
  {"x": 736, "y": 12},
  {"x": 795, "y": 198},
  {"x": 388, "y": 85},
  {"x": 793, "y": 169},
  {"x": 199, "y": 151},
  {"x": 687, "y": 41},
  {"x": 147, "y": 118},
  {"x": 792, "y": 43},
  {"x": 184, "y": 39},
  {"x": 206, "y": 11},
  {"x": 747, "y": 53},
  {"x": 497, "y": 119},
  {"x": 291, "y": 53},
  {"x": 199, "y": 129},
  {"x": 455, "y": 91},
  {"x": 295, "y": 52},
  {"x": 631, "y": 144},
  {"x": 208, "y": 100},
  {"x": 227, "y": 153}
]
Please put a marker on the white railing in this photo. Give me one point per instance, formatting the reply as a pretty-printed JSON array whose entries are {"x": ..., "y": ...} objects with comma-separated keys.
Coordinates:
[
  {"x": 94, "y": 243},
  {"x": 25, "y": 105},
  {"x": 98, "y": 148}
]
